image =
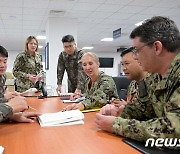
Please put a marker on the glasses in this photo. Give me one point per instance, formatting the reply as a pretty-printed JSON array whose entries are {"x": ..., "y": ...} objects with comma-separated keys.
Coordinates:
[{"x": 135, "y": 50}]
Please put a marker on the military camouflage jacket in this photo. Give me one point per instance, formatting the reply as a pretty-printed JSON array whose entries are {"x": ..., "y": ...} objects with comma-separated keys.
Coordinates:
[
  {"x": 5, "y": 111},
  {"x": 24, "y": 65},
  {"x": 73, "y": 67},
  {"x": 100, "y": 92},
  {"x": 2, "y": 88},
  {"x": 139, "y": 98},
  {"x": 166, "y": 104}
]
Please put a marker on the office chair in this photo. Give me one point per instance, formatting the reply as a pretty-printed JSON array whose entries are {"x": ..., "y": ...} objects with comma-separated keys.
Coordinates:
[{"x": 122, "y": 84}]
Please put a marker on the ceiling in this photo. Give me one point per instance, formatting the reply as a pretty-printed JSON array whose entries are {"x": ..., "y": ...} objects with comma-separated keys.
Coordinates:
[{"x": 96, "y": 19}]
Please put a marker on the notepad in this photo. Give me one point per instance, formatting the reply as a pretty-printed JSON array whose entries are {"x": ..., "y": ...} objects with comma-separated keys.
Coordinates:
[
  {"x": 61, "y": 118},
  {"x": 75, "y": 101}
]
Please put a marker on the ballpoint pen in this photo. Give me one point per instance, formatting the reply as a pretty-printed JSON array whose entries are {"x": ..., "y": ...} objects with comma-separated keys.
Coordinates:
[{"x": 29, "y": 107}]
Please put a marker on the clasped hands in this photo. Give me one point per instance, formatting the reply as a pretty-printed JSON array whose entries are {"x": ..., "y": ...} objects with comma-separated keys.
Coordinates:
[
  {"x": 35, "y": 78},
  {"x": 105, "y": 118}
]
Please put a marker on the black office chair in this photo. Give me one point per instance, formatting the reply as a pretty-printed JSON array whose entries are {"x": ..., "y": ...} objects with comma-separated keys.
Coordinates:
[{"x": 122, "y": 84}]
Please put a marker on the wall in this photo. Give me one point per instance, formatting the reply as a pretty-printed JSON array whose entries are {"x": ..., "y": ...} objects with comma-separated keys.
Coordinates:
[
  {"x": 11, "y": 57},
  {"x": 56, "y": 29},
  {"x": 115, "y": 70}
]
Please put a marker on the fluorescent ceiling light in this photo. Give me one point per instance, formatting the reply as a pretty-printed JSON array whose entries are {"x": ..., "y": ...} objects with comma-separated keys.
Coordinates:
[
  {"x": 87, "y": 48},
  {"x": 40, "y": 46},
  {"x": 139, "y": 23},
  {"x": 41, "y": 37},
  {"x": 107, "y": 39}
]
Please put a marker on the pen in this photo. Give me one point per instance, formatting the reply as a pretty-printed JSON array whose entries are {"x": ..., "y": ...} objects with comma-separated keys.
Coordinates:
[{"x": 29, "y": 107}]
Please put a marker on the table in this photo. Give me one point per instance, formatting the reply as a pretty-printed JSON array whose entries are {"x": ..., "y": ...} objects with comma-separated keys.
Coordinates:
[{"x": 30, "y": 138}]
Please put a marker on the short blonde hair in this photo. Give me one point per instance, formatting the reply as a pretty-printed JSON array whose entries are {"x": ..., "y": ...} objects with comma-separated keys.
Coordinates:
[
  {"x": 28, "y": 40},
  {"x": 92, "y": 55}
]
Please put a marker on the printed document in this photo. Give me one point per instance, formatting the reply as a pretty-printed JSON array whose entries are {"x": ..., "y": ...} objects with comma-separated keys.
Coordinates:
[{"x": 61, "y": 118}]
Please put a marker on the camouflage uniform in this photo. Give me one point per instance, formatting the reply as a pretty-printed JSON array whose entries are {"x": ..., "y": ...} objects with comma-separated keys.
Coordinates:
[
  {"x": 166, "y": 104},
  {"x": 139, "y": 99},
  {"x": 100, "y": 92},
  {"x": 2, "y": 88},
  {"x": 73, "y": 66},
  {"x": 5, "y": 111},
  {"x": 25, "y": 65}
]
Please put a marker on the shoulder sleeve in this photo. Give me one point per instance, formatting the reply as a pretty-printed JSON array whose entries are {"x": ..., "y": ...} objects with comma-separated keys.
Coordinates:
[
  {"x": 60, "y": 69},
  {"x": 5, "y": 111},
  {"x": 164, "y": 126},
  {"x": 102, "y": 92},
  {"x": 18, "y": 65},
  {"x": 81, "y": 75}
]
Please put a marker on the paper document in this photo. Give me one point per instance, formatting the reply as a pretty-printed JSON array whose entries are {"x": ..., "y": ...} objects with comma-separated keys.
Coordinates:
[
  {"x": 65, "y": 94},
  {"x": 75, "y": 101},
  {"x": 1, "y": 149},
  {"x": 61, "y": 118},
  {"x": 29, "y": 92}
]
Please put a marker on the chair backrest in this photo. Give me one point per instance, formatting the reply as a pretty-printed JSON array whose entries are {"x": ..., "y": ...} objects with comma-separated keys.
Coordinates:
[{"x": 122, "y": 84}]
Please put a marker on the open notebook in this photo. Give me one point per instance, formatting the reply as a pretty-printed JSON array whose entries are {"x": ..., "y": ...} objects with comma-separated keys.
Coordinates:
[{"x": 61, "y": 118}]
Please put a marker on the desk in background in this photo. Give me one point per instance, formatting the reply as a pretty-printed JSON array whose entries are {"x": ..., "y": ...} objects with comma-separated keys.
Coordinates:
[{"x": 30, "y": 138}]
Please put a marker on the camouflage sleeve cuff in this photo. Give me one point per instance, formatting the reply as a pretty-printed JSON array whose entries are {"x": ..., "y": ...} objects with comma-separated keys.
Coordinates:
[
  {"x": 117, "y": 127},
  {"x": 6, "y": 111},
  {"x": 3, "y": 100}
]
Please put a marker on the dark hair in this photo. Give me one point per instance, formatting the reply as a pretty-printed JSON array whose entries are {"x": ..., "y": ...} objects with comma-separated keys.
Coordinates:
[
  {"x": 68, "y": 38},
  {"x": 3, "y": 52},
  {"x": 161, "y": 29},
  {"x": 127, "y": 51}
]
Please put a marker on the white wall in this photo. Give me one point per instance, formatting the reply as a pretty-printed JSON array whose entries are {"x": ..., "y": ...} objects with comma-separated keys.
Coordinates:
[
  {"x": 56, "y": 29},
  {"x": 11, "y": 57},
  {"x": 115, "y": 70}
]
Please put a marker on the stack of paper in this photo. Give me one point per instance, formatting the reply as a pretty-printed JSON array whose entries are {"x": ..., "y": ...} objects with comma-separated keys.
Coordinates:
[{"x": 61, "y": 118}]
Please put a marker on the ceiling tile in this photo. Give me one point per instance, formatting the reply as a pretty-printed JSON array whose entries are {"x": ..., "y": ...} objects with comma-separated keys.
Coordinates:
[
  {"x": 132, "y": 9},
  {"x": 10, "y": 3},
  {"x": 121, "y": 2},
  {"x": 101, "y": 15},
  {"x": 85, "y": 6}
]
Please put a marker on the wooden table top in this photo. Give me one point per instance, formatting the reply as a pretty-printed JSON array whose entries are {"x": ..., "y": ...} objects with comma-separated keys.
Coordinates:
[{"x": 31, "y": 138}]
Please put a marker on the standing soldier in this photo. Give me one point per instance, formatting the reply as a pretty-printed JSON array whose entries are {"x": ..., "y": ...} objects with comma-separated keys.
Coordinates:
[
  {"x": 69, "y": 60},
  {"x": 28, "y": 68}
]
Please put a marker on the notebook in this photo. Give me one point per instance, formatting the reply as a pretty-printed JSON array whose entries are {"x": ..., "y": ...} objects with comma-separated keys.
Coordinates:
[
  {"x": 61, "y": 118},
  {"x": 148, "y": 150}
]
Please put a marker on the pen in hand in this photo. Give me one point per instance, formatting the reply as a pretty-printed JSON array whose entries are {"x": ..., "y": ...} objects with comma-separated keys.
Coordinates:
[{"x": 29, "y": 107}]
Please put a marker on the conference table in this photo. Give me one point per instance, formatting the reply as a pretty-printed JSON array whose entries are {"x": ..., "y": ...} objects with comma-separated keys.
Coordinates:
[{"x": 31, "y": 138}]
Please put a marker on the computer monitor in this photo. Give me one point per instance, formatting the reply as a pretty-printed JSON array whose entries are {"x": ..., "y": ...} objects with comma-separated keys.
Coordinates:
[{"x": 106, "y": 62}]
